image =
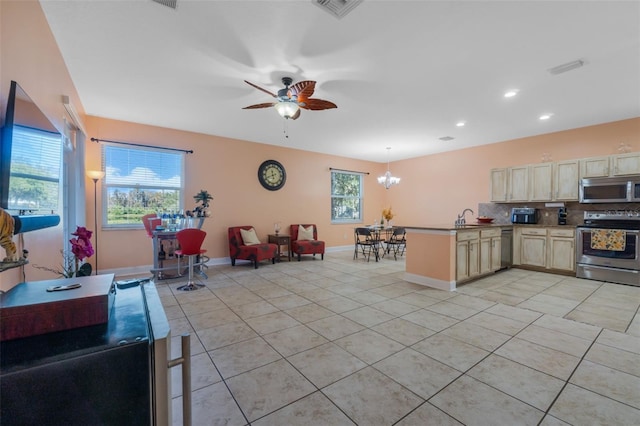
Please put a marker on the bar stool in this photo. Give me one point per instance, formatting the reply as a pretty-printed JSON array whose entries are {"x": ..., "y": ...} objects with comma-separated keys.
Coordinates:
[{"x": 190, "y": 241}]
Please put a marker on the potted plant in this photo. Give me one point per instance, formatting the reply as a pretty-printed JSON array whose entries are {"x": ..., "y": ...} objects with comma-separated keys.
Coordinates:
[{"x": 203, "y": 197}]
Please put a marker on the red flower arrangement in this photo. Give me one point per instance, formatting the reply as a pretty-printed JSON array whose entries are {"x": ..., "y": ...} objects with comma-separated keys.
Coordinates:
[{"x": 73, "y": 263}]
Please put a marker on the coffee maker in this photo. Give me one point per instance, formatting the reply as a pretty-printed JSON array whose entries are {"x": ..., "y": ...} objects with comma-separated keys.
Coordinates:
[{"x": 562, "y": 216}]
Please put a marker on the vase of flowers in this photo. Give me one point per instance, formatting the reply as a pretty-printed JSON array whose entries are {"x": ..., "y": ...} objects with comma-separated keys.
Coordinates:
[
  {"x": 387, "y": 214},
  {"x": 73, "y": 262}
]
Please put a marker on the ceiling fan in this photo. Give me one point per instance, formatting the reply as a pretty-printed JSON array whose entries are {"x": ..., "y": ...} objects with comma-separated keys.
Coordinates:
[{"x": 291, "y": 98}]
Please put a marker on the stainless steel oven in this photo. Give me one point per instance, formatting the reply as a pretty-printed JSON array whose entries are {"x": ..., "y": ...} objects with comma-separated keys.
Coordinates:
[{"x": 607, "y": 247}]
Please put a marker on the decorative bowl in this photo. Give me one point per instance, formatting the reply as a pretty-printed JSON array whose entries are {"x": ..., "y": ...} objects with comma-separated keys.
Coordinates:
[{"x": 484, "y": 219}]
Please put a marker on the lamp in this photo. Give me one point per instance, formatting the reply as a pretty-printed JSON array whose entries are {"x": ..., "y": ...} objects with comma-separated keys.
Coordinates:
[
  {"x": 95, "y": 176},
  {"x": 286, "y": 109},
  {"x": 387, "y": 180}
]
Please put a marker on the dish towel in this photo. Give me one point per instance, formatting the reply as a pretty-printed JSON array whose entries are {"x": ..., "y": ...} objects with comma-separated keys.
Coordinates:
[{"x": 608, "y": 239}]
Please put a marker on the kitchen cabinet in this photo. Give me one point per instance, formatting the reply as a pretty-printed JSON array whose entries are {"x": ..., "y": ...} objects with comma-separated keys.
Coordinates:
[
  {"x": 490, "y": 250},
  {"x": 541, "y": 181},
  {"x": 562, "y": 249},
  {"x": 545, "y": 247},
  {"x": 566, "y": 180},
  {"x": 594, "y": 167},
  {"x": 625, "y": 164},
  {"x": 518, "y": 184},
  {"x": 467, "y": 254},
  {"x": 498, "y": 185}
]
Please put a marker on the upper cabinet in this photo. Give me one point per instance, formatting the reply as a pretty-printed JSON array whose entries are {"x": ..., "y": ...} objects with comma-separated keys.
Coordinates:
[
  {"x": 625, "y": 164},
  {"x": 558, "y": 181},
  {"x": 567, "y": 180}
]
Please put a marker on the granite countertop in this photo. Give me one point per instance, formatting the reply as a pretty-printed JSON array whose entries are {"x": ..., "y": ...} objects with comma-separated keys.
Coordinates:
[{"x": 451, "y": 227}]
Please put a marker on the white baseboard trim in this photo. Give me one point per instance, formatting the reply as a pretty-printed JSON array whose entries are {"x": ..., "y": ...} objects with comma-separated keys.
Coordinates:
[{"x": 430, "y": 282}]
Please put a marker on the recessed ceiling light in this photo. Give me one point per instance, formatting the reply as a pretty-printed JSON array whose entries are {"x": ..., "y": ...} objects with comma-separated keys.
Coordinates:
[
  {"x": 545, "y": 116},
  {"x": 511, "y": 93},
  {"x": 460, "y": 123}
]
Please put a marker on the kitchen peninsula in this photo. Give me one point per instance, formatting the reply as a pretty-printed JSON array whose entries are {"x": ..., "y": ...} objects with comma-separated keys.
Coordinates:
[{"x": 442, "y": 256}]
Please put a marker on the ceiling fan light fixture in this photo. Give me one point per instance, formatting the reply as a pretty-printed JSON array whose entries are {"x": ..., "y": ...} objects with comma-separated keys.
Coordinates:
[{"x": 286, "y": 109}]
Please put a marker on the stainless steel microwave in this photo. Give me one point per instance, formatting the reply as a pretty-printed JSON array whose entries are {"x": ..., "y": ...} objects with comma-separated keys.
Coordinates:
[{"x": 610, "y": 190}]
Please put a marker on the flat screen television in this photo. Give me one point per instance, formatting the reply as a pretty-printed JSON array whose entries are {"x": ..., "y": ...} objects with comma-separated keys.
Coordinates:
[{"x": 30, "y": 157}]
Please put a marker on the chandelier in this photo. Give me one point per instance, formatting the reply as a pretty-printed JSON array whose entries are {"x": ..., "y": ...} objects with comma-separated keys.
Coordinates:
[{"x": 387, "y": 180}]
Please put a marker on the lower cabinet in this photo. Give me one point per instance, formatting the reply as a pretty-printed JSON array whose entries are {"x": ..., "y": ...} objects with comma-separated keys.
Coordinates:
[
  {"x": 478, "y": 252},
  {"x": 545, "y": 247}
]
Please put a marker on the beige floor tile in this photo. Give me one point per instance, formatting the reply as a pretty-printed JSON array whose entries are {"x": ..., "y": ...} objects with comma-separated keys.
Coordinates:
[
  {"x": 226, "y": 334},
  {"x": 579, "y": 406},
  {"x": 366, "y": 297},
  {"x": 510, "y": 290},
  {"x": 518, "y": 314},
  {"x": 254, "y": 309},
  {"x": 620, "y": 340},
  {"x": 417, "y": 372},
  {"x": 288, "y": 302},
  {"x": 201, "y": 306},
  {"x": 608, "y": 382},
  {"x": 450, "y": 351},
  {"x": 549, "y": 304},
  {"x": 269, "y": 323},
  {"x": 340, "y": 304},
  {"x": 212, "y": 405},
  {"x": 498, "y": 323},
  {"x": 562, "y": 342},
  {"x": 566, "y": 326},
  {"x": 370, "y": 398},
  {"x": 452, "y": 310},
  {"x": 369, "y": 346},
  {"x": 180, "y": 326},
  {"x": 271, "y": 291},
  {"x": 418, "y": 299},
  {"x": 234, "y": 296},
  {"x": 475, "y": 403},
  {"x": 293, "y": 340},
  {"x": 334, "y": 327},
  {"x": 203, "y": 374},
  {"x": 403, "y": 331},
  {"x": 315, "y": 409},
  {"x": 392, "y": 291},
  {"x": 326, "y": 364},
  {"x": 174, "y": 312},
  {"x": 244, "y": 356},
  {"x": 552, "y": 421},
  {"x": 524, "y": 383},
  {"x": 309, "y": 312},
  {"x": 367, "y": 316},
  {"x": 428, "y": 415},
  {"x": 634, "y": 327},
  {"x": 317, "y": 294},
  {"x": 471, "y": 302},
  {"x": 541, "y": 358},
  {"x": 571, "y": 291},
  {"x": 618, "y": 359},
  {"x": 478, "y": 336},
  {"x": 213, "y": 318},
  {"x": 612, "y": 323},
  {"x": 430, "y": 320},
  {"x": 395, "y": 307},
  {"x": 505, "y": 299},
  {"x": 268, "y": 388}
]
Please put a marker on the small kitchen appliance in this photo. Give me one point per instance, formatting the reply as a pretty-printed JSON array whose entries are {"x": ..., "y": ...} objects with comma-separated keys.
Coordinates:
[
  {"x": 562, "y": 216},
  {"x": 525, "y": 215}
]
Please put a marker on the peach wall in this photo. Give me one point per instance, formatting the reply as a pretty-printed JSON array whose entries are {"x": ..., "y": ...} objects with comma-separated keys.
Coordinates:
[
  {"x": 437, "y": 258},
  {"x": 435, "y": 188},
  {"x": 30, "y": 56},
  {"x": 227, "y": 168}
]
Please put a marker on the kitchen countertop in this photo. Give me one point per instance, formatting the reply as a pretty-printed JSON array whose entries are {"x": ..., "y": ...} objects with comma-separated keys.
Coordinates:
[{"x": 450, "y": 227}]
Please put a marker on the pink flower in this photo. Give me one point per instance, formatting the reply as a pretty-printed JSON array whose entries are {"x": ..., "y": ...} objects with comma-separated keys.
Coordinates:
[
  {"x": 82, "y": 232},
  {"x": 81, "y": 247}
]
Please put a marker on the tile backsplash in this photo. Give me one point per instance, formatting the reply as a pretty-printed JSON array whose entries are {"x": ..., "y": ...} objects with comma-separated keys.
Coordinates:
[{"x": 501, "y": 212}]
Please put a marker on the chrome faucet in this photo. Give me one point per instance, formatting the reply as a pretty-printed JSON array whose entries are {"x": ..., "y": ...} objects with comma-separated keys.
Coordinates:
[{"x": 461, "y": 220}]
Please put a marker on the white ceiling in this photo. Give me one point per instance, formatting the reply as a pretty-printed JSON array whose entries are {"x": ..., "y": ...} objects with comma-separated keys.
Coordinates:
[{"x": 402, "y": 73}]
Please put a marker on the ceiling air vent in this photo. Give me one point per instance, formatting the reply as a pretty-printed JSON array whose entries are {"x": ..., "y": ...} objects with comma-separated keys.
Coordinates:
[
  {"x": 337, "y": 8},
  {"x": 446, "y": 138},
  {"x": 169, "y": 3}
]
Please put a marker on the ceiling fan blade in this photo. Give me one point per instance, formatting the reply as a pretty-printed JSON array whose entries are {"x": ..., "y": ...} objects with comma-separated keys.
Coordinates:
[
  {"x": 264, "y": 105},
  {"x": 303, "y": 89},
  {"x": 296, "y": 115},
  {"x": 261, "y": 89},
  {"x": 317, "y": 104}
]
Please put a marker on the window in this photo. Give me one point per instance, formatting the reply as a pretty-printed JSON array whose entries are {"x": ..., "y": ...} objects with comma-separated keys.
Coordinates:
[
  {"x": 346, "y": 197},
  {"x": 139, "y": 181},
  {"x": 35, "y": 170}
]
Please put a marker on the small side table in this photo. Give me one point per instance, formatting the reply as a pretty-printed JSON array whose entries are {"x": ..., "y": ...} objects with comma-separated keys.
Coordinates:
[{"x": 281, "y": 240}]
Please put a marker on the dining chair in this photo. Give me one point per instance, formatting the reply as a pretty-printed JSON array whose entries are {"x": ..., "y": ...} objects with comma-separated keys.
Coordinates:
[
  {"x": 396, "y": 242},
  {"x": 190, "y": 240},
  {"x": 366, "y": 241}
]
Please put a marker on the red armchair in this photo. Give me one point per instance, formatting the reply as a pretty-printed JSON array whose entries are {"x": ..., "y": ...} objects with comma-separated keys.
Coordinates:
[
  {"x": 255, "y": 252},
  {"x": 306, "y": 246}
]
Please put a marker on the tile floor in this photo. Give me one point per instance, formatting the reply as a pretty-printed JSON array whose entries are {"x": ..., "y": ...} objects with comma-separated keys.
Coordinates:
[{"x": 343, "y": 342}]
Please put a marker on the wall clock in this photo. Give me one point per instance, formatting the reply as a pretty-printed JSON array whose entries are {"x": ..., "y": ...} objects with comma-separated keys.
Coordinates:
[{"x": 272, "y": 175}]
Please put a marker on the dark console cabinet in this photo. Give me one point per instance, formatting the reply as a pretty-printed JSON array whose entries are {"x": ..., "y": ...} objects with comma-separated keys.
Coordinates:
[{"x": 96, "y": 375}]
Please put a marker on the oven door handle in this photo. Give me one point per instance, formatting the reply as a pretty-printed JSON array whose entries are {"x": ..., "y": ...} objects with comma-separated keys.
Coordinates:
[{"x": 628, "y": 231}]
